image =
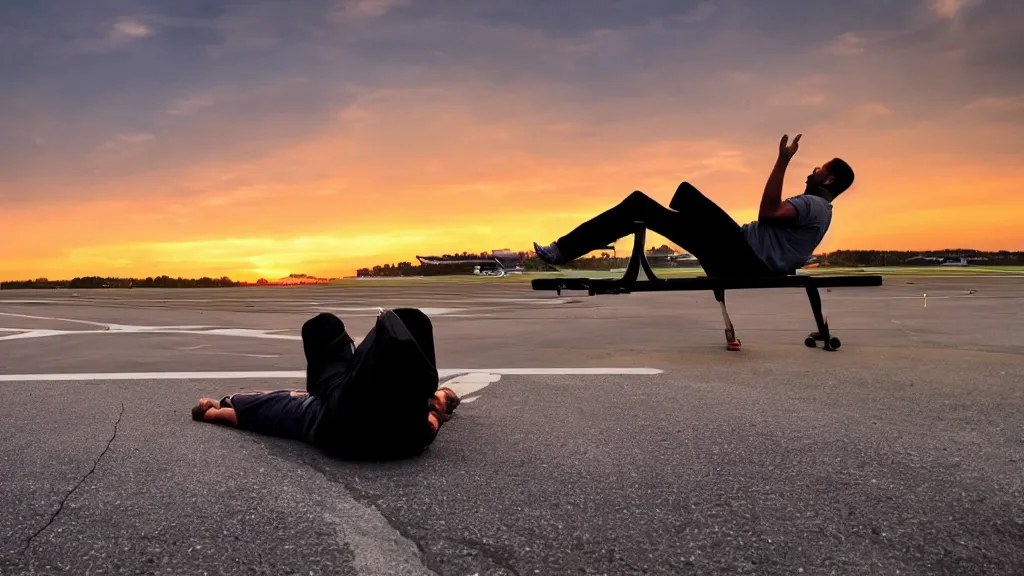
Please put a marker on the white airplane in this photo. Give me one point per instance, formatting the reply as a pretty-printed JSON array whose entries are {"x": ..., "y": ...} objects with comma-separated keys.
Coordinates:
[{"x": 501, "y": 263}]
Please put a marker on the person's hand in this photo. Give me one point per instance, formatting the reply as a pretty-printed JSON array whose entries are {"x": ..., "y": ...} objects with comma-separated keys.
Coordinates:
[
  {"x": 204, "y": 404},
  {"x": 786, "y": 150}
]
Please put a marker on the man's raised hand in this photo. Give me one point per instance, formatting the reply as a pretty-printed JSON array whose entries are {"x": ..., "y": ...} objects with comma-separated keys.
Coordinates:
[{"x": 786, "y": 150}]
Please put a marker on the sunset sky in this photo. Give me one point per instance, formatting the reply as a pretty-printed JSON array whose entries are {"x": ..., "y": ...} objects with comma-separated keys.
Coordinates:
[{"x": 257, "y": 138}]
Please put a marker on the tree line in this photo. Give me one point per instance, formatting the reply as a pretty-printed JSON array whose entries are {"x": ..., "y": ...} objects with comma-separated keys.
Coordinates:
[
  {"x": 876, "y": 258},
  {"x": 89, "y": 282},
  {"x": 530, "y": 262},
  {"x": 605, "y": 261}
]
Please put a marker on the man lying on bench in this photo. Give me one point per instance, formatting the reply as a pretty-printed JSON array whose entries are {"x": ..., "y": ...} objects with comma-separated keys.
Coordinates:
[{"x": 780, "y": 241}]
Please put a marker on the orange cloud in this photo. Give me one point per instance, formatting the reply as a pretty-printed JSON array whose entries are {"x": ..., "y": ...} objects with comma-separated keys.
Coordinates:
[{"x": 406, "y": 172}]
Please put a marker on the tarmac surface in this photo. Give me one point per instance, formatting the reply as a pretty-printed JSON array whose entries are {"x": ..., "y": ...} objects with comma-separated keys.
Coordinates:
[{"x": 598, "y": 435}]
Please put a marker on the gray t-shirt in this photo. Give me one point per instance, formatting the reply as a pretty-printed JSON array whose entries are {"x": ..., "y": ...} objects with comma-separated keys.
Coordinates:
[{"x": 786, "y": 246}]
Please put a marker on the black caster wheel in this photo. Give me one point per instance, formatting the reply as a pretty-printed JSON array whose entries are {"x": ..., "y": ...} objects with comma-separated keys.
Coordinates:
[
  {"x": 810, "y": 342},
  {"x": 834, "y": 343}
]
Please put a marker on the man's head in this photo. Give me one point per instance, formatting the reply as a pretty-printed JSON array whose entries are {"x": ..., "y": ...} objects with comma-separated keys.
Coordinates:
[{"x": 830, "y": 179}]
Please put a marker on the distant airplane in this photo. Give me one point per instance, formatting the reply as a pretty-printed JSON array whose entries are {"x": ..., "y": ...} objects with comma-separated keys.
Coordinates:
[
  {"x": 947, "y": 261},
  {"x": 962, "y": 261},
  {"x": 501, "y": 263},
  {"x": 661, "y": 258},
  {"x": 812, "y": 262}
]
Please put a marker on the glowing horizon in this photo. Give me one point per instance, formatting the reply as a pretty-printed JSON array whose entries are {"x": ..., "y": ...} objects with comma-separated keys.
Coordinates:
[{"x": 261, "y": 140}]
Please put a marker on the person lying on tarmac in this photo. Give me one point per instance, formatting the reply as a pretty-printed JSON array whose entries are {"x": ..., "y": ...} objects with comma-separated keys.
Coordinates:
[
  {"x": 780, "y": 241},
  {"x": 378, "y": 401},
  {"x": 294, "y": 414}
]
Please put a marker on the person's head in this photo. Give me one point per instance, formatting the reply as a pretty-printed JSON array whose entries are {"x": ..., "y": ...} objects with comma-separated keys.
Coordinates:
[{"x": 830, "y": 179}]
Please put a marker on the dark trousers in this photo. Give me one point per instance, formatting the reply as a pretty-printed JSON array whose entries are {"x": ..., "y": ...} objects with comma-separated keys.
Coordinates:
[
  {"x": 328, "y": 349},
  {"x": 375, "y": 400},
  {"x": 695, "y": 223}
]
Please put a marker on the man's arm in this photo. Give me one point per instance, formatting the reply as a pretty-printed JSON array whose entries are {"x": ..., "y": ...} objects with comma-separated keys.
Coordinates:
[
  {"x": 209, "y": 410},
  {"x": 221, "y": 416},
  {"x": 772, "y": 206}
]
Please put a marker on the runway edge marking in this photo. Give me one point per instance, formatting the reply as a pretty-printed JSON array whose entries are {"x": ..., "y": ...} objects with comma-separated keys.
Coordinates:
[{"x": 301, "y": 374}]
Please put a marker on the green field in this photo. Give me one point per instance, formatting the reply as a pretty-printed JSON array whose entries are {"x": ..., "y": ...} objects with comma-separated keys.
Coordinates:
[{"x": 682, "y": 273}]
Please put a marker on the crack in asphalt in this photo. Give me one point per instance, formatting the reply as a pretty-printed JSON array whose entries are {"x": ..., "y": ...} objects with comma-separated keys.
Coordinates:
[
  {"x": 359, "y": 496},
  {"x": 96, "y": 462},
  {"x": 490, "y": 552},
  {"x": 316, "y": 462},
  {"x": 410, "y": 533}
]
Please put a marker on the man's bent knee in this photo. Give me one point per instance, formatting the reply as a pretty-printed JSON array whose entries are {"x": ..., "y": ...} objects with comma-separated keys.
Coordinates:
[
  {"x": 638, "y": 198},
  {"x": 686, "y": 195}
]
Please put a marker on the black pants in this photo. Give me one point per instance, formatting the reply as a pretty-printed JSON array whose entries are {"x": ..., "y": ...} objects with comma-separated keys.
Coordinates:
[
  {"x": 375, "y": 398},
  {"x": 696, "y": 224},
  {"x": 328, "y": 349}
]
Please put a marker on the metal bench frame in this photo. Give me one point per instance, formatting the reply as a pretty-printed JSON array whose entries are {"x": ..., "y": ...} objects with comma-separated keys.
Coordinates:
[{"x": 638, "y": 260}]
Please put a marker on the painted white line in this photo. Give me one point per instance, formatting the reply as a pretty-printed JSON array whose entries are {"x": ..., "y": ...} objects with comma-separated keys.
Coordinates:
[
  {"x": 254, "y": 374},
  {"x": 301, "y": 374},
  {"x": 470, "y": 400},
  {"x": 231, "y": 332},
  {"x": 31, "y": 317},
  {"x": 44, "y": 333},
  {"x": 560, "y": 371},
  {"x": 434, "y": 300},
  {"x": 922, "y": 297},
  {"x": 466, "y": 384},
  {"x": 240, "y": 354},
  {"x": 375, "y": 309}
]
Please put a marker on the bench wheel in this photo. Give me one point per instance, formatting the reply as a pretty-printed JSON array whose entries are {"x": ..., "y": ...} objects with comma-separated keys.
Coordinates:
[{"x": 812, "y": 340}]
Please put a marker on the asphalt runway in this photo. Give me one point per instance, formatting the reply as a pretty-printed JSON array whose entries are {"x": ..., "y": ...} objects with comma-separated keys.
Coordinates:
[{"x": 599, "y": 435}]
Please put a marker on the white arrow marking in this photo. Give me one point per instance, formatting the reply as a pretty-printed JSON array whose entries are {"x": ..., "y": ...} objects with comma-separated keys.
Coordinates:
[{"x": 467, "y": 384}]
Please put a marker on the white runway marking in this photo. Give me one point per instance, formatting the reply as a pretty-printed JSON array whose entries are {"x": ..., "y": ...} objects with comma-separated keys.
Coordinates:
[
  {"x": 558, "y": 371},
  {"x": 113, "y": 328},
  {"x": 301, "y": 374},
  {"x": 375, "y": 309},
  {"x": 241, "y": 354},
  {"x": 196, "y": 330},
  {"x": 195, "y": 349},
  {"x": 109, "y": 328},
  {"x": 355, "y": 300},
  {"x": 467, "y": 384},
  {"x": 31, "y": 317}
]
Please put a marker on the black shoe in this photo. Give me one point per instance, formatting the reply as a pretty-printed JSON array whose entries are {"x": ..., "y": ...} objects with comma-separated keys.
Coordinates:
[{"x": 550, "y": 254}]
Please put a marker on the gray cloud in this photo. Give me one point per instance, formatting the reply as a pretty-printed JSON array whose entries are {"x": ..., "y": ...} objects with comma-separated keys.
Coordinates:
[{"x": 232, "y": 79}]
